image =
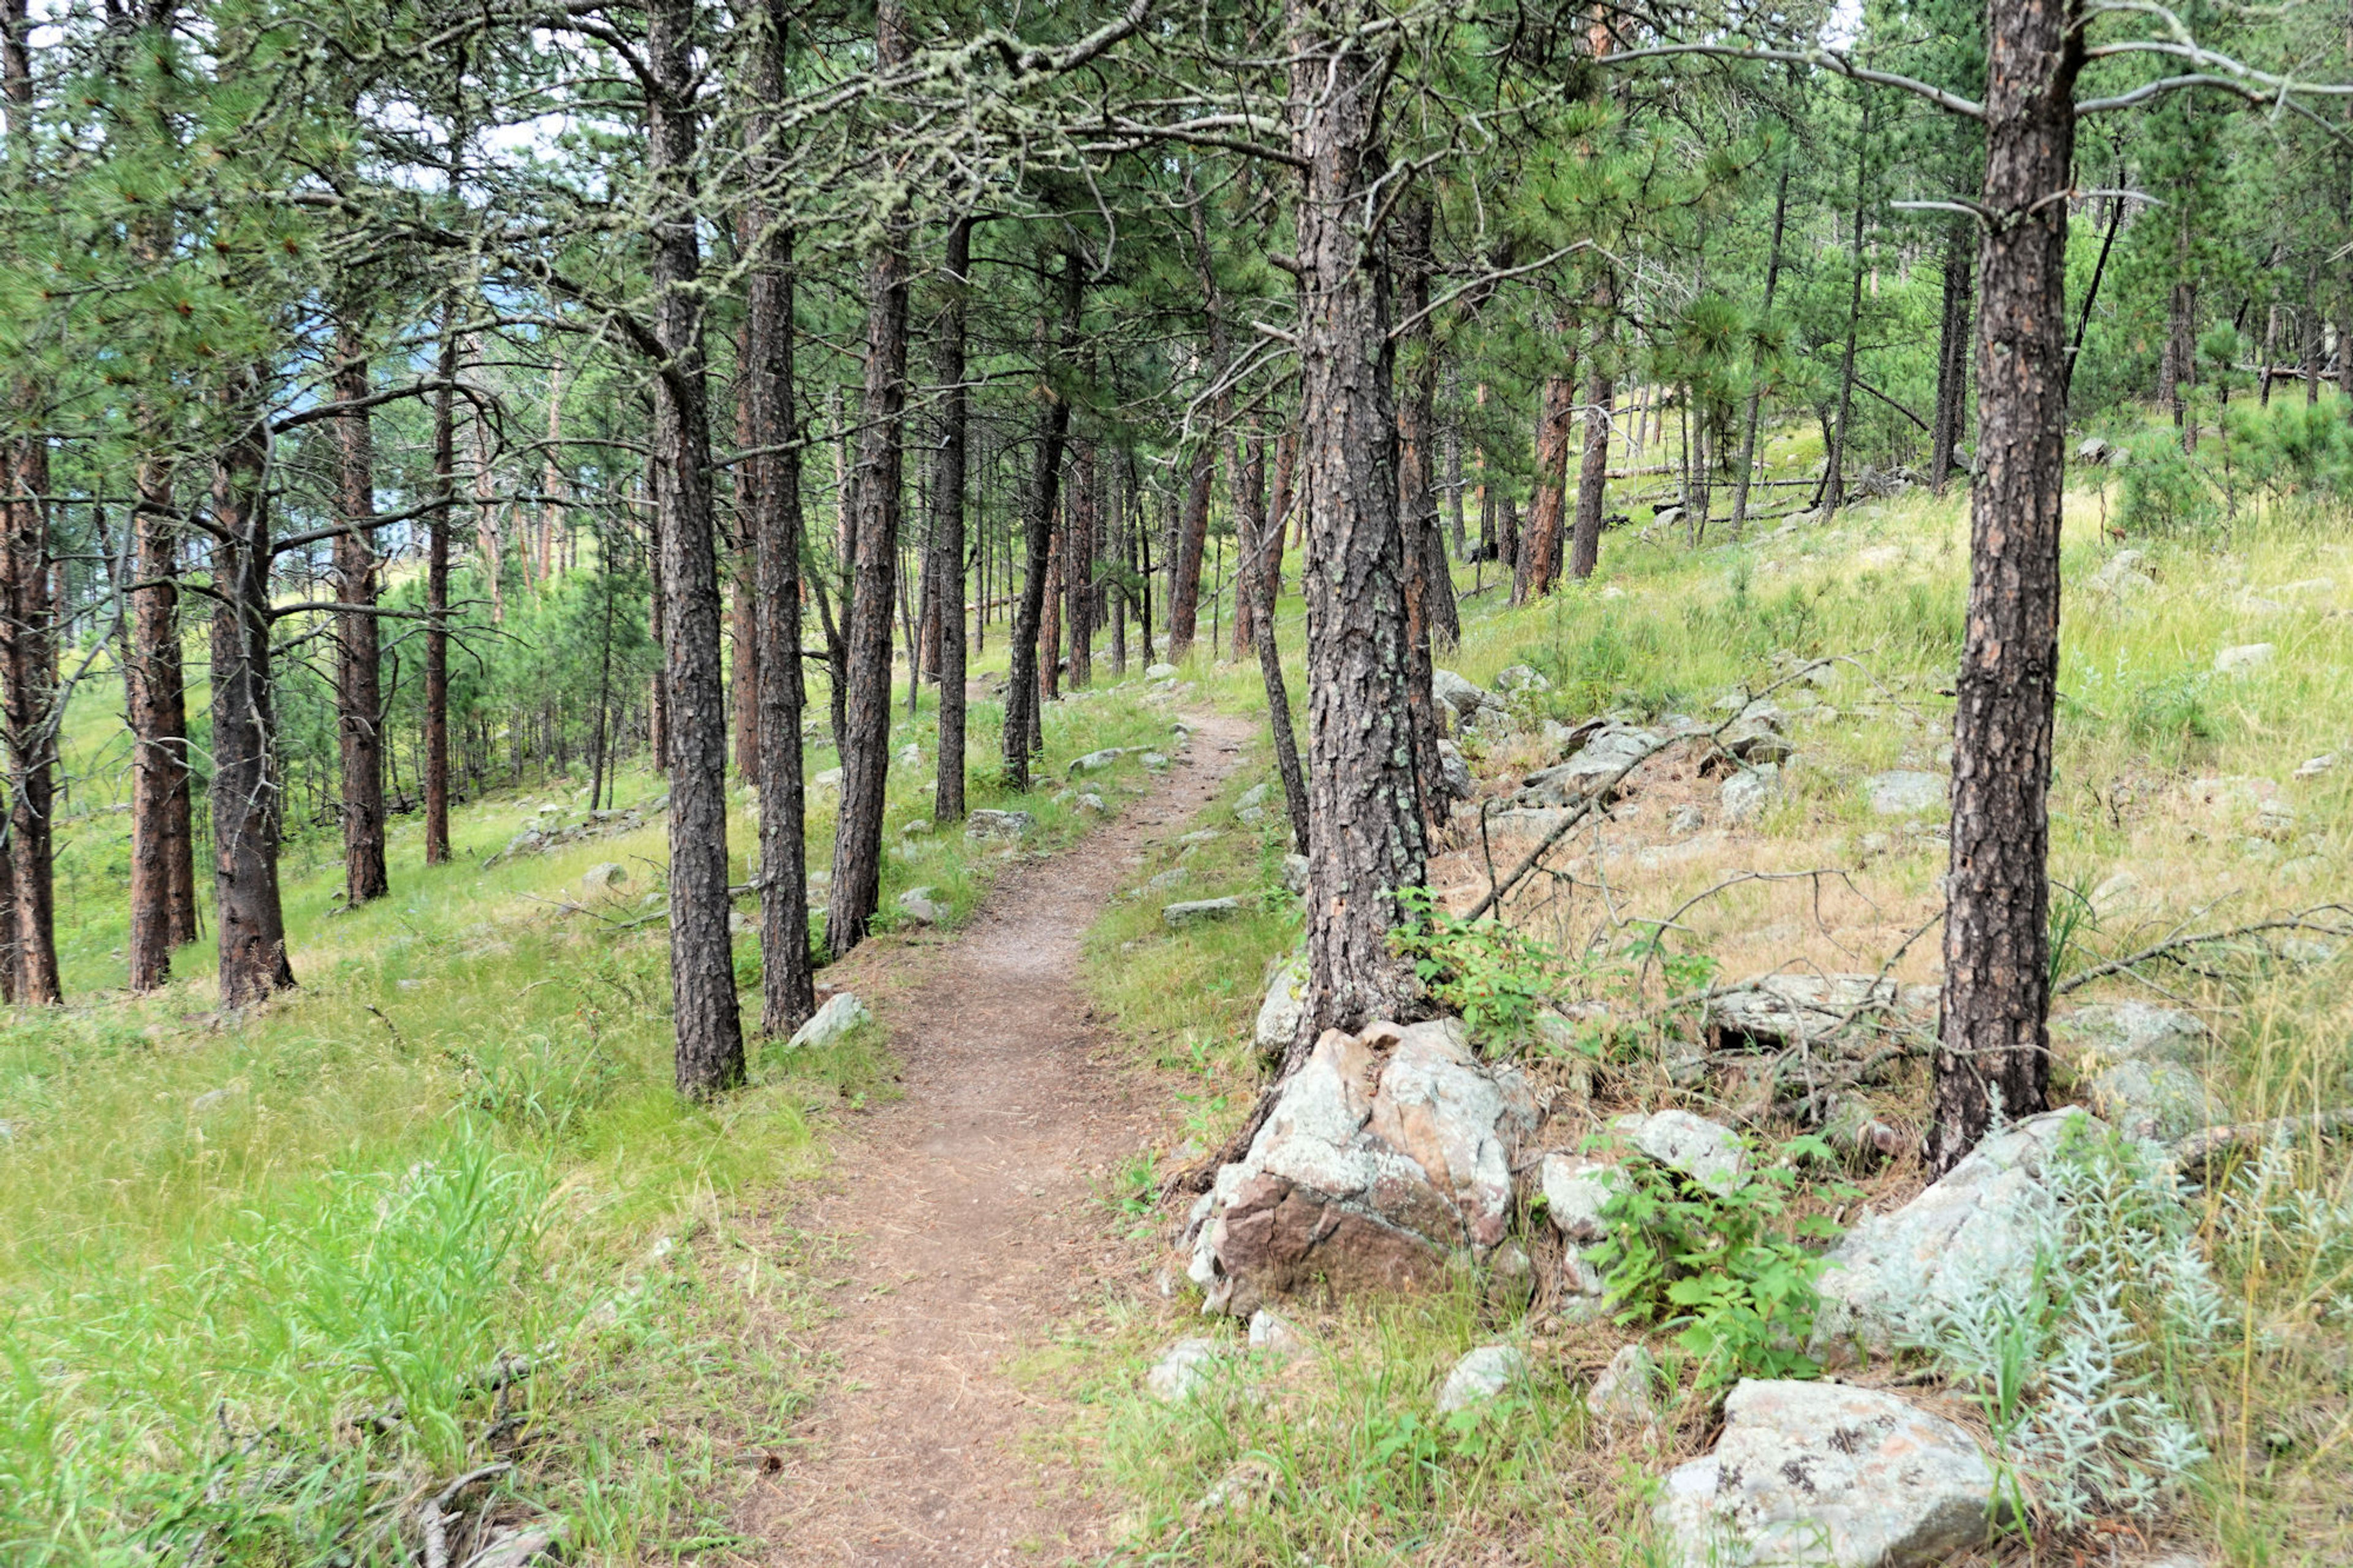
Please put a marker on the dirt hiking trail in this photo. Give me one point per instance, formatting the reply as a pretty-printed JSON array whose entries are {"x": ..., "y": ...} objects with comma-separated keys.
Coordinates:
[{"x": 969, "y": 1213}]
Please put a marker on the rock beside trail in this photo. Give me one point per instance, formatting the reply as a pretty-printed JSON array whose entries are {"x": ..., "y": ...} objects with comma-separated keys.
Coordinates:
[
  {"x": 1199, "y": 911},
  {"x": 1775, "y": 1011},
  {"x": 1903, "y": 791},
  {"x": 1386, "y": 1154},
  {"x": 1095, "y": 762},
  {"x": 1160, "y": 672},
  {"x": 918, "y": 905},
  {"x": 1982, "y": 1220},
  {"x": 1182, "y": 1369},
  {"x": 981, "y": 825},
  {"x": 1284, "y": 1005},
  {"x": 830, "y": 1024},
  {"x": 1746, "y": 793},
  {"x": 1810, "y": 1473},
  {"x": 1482, "y": 1374}
]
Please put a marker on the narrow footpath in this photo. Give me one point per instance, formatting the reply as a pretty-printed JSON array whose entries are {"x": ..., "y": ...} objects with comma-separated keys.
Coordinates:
[{"x": 971, "y": 1214}]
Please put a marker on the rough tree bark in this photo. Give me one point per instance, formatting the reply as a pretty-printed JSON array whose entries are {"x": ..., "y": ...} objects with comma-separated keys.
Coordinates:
[
  {"x": 1993, "y": 1037},
  {"x": 1834, "y": 472},
  {"x": 1416, "y": 501},
  {"x": 436, "y": 598},
  {"x": 866, "y": 748},
  {"x": 1539, "y": 561},
  {"x": 1079, "y": 565},
  {"x": 948, "y": 518},
  {"x": 709, "y": 1049},
  {"x": 1593, "y": 465},
  {"x": 1258, "y": 585},
  {"x": 1021, "y": 714},
  {"x": 359, "y": 694},
  {"x": 1193, "y": 530},
  {"x": 1366, "y": 843},
  {"x": 1952, "y": 352},
  {"x": 787, "y": 994},
  {"x": 1741, "y": 480},
  {"x": 163, "y": 885},
  {"x": 245, "y": 798}
]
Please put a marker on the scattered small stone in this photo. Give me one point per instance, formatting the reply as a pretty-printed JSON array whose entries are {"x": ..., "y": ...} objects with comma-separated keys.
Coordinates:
[
  {"x": 2313, "y": 767},
  {"x": 1746, "y": 793},
  {"x": 1090, "y": 801},
  {"x": 984, "y": 825},
  {"x": 1277, "y": 1335},
  {"x": 1095, "y": 762},
  {"x": 830, "y": 1024},
  {"x": 1199, "y": 911},
  {"x": 830, "y": 779},
  {"x": 1822, "y": 1472},
  {"x": 1182, "y": 1369},
  {"x": 918, "y": 905},
  {"x": 920, "y": 827},
  {"x": 1295, "y": 869},
  {"x": 1155, "y": 761},
  {"x": 1521, "y": 678},
  {"x": 911, "y": 756},
  {"x": 1625, "y": 1393},
  {"x": 2275, "y": 818},
  {"x": 1254, "y": 795},
  {"x": 1160, "y": 672},
  {"x": 1904, "y": 793},
  {"x": 1247, "y": 1486},
  {"x": 2122, "y": 892},
  {"x": 1686, "y": 820},
  {"x": 1199, "y": 836},
  {"x": 1481, "y": 1375},
  {"x": 514, "y": 1547},
  {"x": 2245, "y": 657},
  {"x": 1575, "y": 1191}
]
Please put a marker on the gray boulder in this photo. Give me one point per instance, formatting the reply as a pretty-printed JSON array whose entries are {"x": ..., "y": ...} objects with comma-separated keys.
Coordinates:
[
  {"x": 1453, "y": 770},
  {"x": 1746, "y": 793},
  {"x": 1482, "y": 1374},
  {"x": 1605, "y": 754},
  {"x": 1775, "y": 1011},
  {"x": 1707, "y": 1151},
  {"x": 1386, "y": 1154},
  {"x": 1284, "y": 1005},
  {"x": 1253, "y": 796},
  {"x": 1905, "y": 791},
  {"x": 2243, "y": 658},
  {"x": 1810, "y": 1473},
  {"x": 1519, "y": 677},
  {"x": 1575, "y": 1191},
  {"x": 1199, "y": 911},
  {"x": 603, "y": 878},
  {"x": 1182, "y": 1369},
  {"x": 1686, "y": 820},
  {"x": 1295, "y": 868},
  {"x": 1626, "y": 1393},
  {"x": 1095, "y": 762},
  {"x": 918, "y": 905},
  {"x": 2138, "y": 1065},
  {"x": 1461, "y": 698},
  {"x": 1981, "y": 1221},
  {"x": 830, "y": 1024},
  {"x": 1160, "y": 672},
  {"x": 984, "y": 825}
]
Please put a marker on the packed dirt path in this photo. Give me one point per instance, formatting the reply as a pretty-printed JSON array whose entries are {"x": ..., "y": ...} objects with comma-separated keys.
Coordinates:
[{"x": 971, "y": 1214}]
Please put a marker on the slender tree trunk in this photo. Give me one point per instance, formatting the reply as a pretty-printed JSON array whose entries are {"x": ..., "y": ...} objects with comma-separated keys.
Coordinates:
[
  {"x": 359, "y": 694},
  {"x": 866, "y": 752},
  {"x": 1021, "y": 712},
  {"x": 436, "y": 600},
  {"x": 1756, "y": 392},
  {"x": 1364, "y": 825},
  {"x": 1593, "y": 465},
  {"x": 1258, "y": 585},
  {"x": 1191, "y": 544},
  {"x": 947, "y": 519},
  {"x": 1540, "y": 546},
  {"x": 1994, "y": 1044},
  {"x": 245, "y": 794},
  {"x": 1417, "y": 500},
  {"x": 1834, "y": 483},
  {"x": 787, "y": 994},
  {"x": 1049, "y": 636},
  {"x": 1079, "y": 564},
  {"x": 710, "y": 1050},
  {"x": 161, "y": 872},
  {"x": 2271, "y": 348},
  {"x": 744, "y": 645},
  {"x": 1952, "y": 351}
]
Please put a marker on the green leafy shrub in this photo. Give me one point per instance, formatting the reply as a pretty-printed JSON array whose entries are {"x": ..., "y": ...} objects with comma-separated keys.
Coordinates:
[
  {"x": 1496, "y": 978},
  {"x": 2166, "y": 490},
  {"x": 1727, "y": 1269}
]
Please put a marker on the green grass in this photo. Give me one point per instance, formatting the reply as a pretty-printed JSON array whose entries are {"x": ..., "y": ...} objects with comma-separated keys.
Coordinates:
[{"x": 259, "y": 1277}]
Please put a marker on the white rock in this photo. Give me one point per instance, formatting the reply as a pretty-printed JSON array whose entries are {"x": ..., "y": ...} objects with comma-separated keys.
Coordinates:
[
  {"x": 2120, "y": 893},
  {"x": 1182, "y": 1369},
  {"x": 1904, "y": 793},
  {"x": 919, "y": 907},
  {"x": 1095, "y": 762},
  {"x": 2246, "y": 656},
  {"x": 1982, "y": 1221},
  {"x": 1575, "y": 1191},
  {"x": 1481, "y": 1375},
  {"x": 1707, "y": 1151},
  {"x": 212, "y": 1099},
  {"x": 1686, "y": 820},
  {"x": 920, "y": 827},
  {"x": 1521, "y": 678},
  {"x": 1285, "y": 1004},
  {"x": 603, "y": 877},
  {"x": 1254, "y": 795},
  {"x": 2106, "y": 1032},
  {"x": 1627, "y": 1391},
  {"x": 842, "y": 1013},
  {"x": 1810, "y": 1473},
  {"x": 1199, "y": 911},
  {"x": 1746, "y": 793},
  {"x": 1277, "y": 1335},
  {"x": 2313, "y": 767},
  {"x": 1090, "y": 801},
  {"x": 514, "y": 1547},
  {"x": 1160, "y": 672}
]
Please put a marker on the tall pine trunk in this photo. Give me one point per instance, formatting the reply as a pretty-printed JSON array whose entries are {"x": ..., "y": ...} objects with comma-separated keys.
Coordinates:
[
  {"x": 246, "y": 807},
  {"x": 866, "y": 735},
  {"x": 1742, "y": 479},
  {"x": 709, "y": 1049},
  {"x": 787, "y": 994},
  {"x": 436, "y": 599},
  {"x": 1256, "y": 587},
  {"x": 1079, "y": 565},
  {"x": 1022, "y": 718},
  {"x": 359, "y": 694},
  {"x": 1417, "y": 498},
  {"x": 1953, "y": 352},
  {"x": 1834, "y": 473},
  {"x": 1593, "y": 465},
  {"x": 1994, "y": 1047},
  {"x": 1366, "y": 845},
  {"x": 947, "y": 519},
  {"x": 162, "y": 872},
  {"x": 1539, "y": 561}
]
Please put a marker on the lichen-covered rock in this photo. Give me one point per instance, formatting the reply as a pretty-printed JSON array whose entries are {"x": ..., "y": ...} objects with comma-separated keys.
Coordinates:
[
  {"x": 1746, "y": 793},
  {"x": 828, "y": 1025},
  {"x": 1819, "y": 1473},
  {"x": 1575, "y": 1191},
  {"x": 1627, "y": 1391},
  {"x": 1388, "y": 1153},
  {"x": 1982, "y": 1220},
  {"x": 1774, "y": 1011},
  {"x": 1284, "y": 1005},
  {"x": 1199, "y": 911},
  {"x": 1603, "y": 756},
  {"x": 998, "y": 825},
  {"x": 1183, "y": 1368},
  {"x": 918, "y": 905},
  {"x": 1461, "y": 698},
  {"x": 1707, "y": 1151},
  {"x": 1481, "y": 1375},
  {"x": 2138, "y": 1065},
  {"x": 1905, "y": 791},
  {"x": 2100, "y": 1037}
]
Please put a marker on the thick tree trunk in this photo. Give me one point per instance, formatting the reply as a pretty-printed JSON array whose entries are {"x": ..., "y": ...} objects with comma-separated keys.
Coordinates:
[
  {"x": 1741, "y": 480},
  {"x": 1593, "y": 465},
  {"x": 359, "y": 692},
  {"x": 437, "y": 601},
  {"x": 947, "y": 519},
  {"x": 1021, "y": 712},
  {"x": 1994, "y": 1044},
  {"x": 244, "y": 794},
  {"x": 866, "y": 748},
  {"x": 161, "y": 870},
  {"x": 709, "y": 1049},
  {"x": 1366, "y": 843},
  {"x": 1540, "y": 545},
  {"x": 28, "y": 693},
  {"x": 787, "y": 993}
]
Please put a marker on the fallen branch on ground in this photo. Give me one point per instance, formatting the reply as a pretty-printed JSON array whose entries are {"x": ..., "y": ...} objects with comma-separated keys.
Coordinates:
[{"x": 2194, "y": 1153}]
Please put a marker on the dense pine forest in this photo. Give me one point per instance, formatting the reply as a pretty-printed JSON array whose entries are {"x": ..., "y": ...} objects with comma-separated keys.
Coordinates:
[{"x": 1614, "y": 729}]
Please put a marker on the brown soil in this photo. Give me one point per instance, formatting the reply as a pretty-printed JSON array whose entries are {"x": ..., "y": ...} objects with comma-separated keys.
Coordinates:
[{"x": 972, "y": 1211}]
